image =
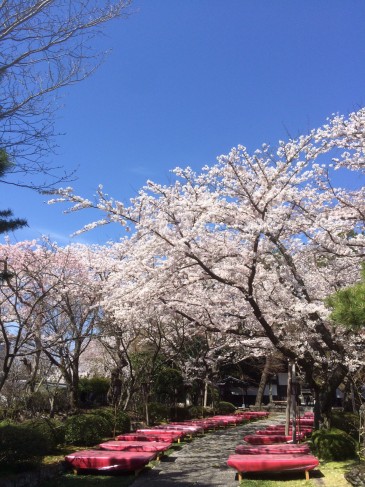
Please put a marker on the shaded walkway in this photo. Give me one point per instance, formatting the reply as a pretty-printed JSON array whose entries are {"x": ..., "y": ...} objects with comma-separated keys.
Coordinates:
[{"x": 202, "y": 463}]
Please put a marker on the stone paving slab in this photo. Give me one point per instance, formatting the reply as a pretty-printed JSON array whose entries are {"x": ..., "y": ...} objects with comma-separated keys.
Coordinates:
[{"x": 202, "y": 462}]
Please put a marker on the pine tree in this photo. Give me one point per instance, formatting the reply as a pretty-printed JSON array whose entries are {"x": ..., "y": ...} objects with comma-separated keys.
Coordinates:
[
  {"x": 6, "y": 222},
  {"x": 348, "y": 305}
]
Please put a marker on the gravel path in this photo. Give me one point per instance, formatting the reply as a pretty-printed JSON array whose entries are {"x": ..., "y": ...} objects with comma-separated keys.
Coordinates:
[{"x": 202, "y": 462}]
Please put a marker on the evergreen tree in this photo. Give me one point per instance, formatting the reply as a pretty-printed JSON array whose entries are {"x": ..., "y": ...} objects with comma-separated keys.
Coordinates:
[
  {"x": 348, "y": 305},
  {"x": 6, "y": 222}
]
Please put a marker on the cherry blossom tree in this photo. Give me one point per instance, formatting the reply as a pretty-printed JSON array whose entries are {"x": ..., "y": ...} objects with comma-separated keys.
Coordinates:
[
  {"x": 72, "y": 316},
  {"x": 27, "y": 282},
  {"x": 254, "y": 244},
  {"x": 49, "y": 308}
]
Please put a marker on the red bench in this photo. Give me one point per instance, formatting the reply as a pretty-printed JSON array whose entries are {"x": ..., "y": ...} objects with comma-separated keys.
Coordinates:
[
  {"x": 267, "y": 439},
  {"x": 274, "y": 449},
  {"x": 137, "y": 446},
  {"x": 272, "y": 463},
  {"x": 109, "y": 460}
]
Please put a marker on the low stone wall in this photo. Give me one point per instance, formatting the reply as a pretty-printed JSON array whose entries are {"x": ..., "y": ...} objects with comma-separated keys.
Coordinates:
[{"x": 33, "y": 479}]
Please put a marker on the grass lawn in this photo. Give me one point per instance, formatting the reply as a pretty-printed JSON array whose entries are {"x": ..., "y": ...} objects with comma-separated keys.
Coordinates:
[{"x": 330, "y": 474}]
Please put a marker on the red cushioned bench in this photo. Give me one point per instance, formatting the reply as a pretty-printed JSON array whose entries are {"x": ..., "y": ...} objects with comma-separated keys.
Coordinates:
[
  {"x": 281, "y": 427},
  {"x": 272, "y": 463},
  {"x": 275, "y": 449},
  {"x": 253, "y": 414},
  {"x": 147, "y": 437},
  {"x": 109, "y": 460},
  {"x": 206, "y": 424},
  {"x": 147, "y": 446},
  {"x": 175, "y": 435},
  {"x": 188, "y": 429},
  {"x": 299, "y": 434},
  {"x": 267, "y": 439},
  {"x": 230, "y": 419}
]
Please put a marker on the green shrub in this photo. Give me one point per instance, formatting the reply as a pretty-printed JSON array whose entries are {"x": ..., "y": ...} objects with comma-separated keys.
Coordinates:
[
  {"x": 158, "y": 412},
  {"x": 85, "y": 429},
  {"x": 52, "y": 430},
  {"x": 108, "y": 415},
  {"x": 123, "y": 422},
  {"x": 179, "y": 413},
  {"x": 346, "y": 421},
  {"x": 225, "y": 408},
  {"x": 117, "y": 421},
  {"x": 38, "y": 402},
  {"x": 333, "y": 444},
  {"x": 168, "y": 385},
  {"x": 200, "y": 411},
  {"x": 94, "y": 390},
  {"x": 22, "y": 444}
]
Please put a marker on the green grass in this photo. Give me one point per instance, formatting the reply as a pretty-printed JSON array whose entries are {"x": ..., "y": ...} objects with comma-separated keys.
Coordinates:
[{"x": 330, "y": 474}]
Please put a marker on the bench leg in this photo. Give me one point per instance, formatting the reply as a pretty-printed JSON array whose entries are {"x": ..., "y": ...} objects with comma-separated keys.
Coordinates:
[
  {"x": 307, "y": 475},
  {"x": 239, "y": 476}
]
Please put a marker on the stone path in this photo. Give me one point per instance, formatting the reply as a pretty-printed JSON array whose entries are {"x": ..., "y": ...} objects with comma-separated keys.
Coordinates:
[{"x": 202, "y": 462}]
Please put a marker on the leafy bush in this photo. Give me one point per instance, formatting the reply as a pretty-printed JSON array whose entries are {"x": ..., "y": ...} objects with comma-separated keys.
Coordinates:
[
  {"x": 225, "y": 408},
  {"x": 168, "y": 385},
  {"x": 346, "y": 421},
  {"x": 180, "y": 413},
  {"x": 22, "y": 444},
  {"x": 38, "y": 402},
  {"x": 123, "y": 422},
  {"x": 116, "y": 421},
  {"x": 108, "y": 415},
  {"x": 200, "y": 412},
  {"x": 46, "y": 400},
  {"x": 94, "y": 390},
  {"x": 85, "y": 429},
  {"x": 333, "y": 444},
  {"x": 52, "y": 430},
  {"x": 158, "y": 412}
]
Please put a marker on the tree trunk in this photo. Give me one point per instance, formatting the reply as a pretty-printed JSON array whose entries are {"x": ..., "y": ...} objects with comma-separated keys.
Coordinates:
[
  {"x": 205, "y": 400},
  {"x": 263, "y": 380},
  {"x": 288, "y": 400}
]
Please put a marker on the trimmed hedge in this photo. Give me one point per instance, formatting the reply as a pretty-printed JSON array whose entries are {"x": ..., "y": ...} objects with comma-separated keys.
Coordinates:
[
  {"x": 158, "y": 412},
  {"x": 86, "y": 429},
  {"x": 200, "y": 411},
  {"x": 22, "y": 444},
  {"x": 123, "y": 422},
  {"x": 333, "y": 444},
  {"x": 225, "y": 407},
  {"x": 52, "y": 430},
  {"x": 109, "y": 417},
  {"x": 89, "y": 429}
]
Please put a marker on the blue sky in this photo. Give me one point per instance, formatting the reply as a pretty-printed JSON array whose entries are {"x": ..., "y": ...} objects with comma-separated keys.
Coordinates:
[{"x": 186, "y": 81}]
